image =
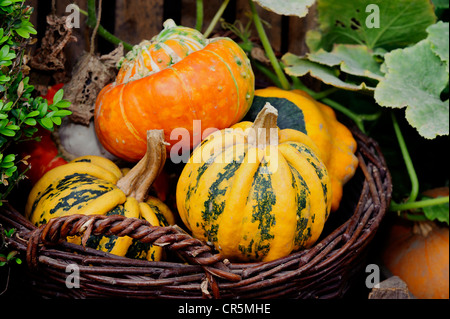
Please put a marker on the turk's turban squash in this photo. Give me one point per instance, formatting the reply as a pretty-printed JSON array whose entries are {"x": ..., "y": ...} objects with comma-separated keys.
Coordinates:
[
  {"x": 167, "y": 83},
  {"x": 336, "y": 145},
  {"x": 95, "y": 185},
  {"x": 256, "y": 195}
]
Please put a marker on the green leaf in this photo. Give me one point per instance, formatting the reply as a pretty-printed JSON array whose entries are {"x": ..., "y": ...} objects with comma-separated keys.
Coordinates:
[
  {"x": 297, "y": 66},
  {"x": 9, "y": 158},
  {"x": 33, "y": 113},
  {"x": 441, "y": 4},
  {"x": 4, "y": 51},
  {"x": 7, "y": 132},
  {"x": 43, "y": 107},
  {"x": 415, "y": 79},
  {"x": 62, "y": 113},
  {"x": 352, "y": 59},
  {"x": 62, "y": 104},
  {"x": 23, "y": 33},
  {"x": 438, "y": 35},
  {"x": 30, "y": 121},
  {"x": 58, "y": 96},
  {"x": 46, "y": 123},
  {"x": 6, "y": 164},
  {"x": 56, "y": 120},
  {"x": 10, "y": 171},
  {"x": 401, "y": 22},
  {"x": 437, "y": 212},
  {"x": 287, "y": 7}
]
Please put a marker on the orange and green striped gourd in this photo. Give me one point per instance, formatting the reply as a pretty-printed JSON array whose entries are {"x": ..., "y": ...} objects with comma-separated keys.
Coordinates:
[
  {"x": 336, "y": 145},
  {"x": 95, "y": 185},
  {"x": 256, "y": 196},
  {"x": 169, "y": 82}
]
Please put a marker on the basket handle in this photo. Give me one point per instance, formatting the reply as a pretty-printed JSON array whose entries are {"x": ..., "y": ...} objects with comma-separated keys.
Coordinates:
[{"x": 172, "y": 237}]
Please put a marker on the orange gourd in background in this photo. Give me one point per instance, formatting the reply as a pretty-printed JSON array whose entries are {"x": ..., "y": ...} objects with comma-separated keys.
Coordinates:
[{"x": 418, "y": 253}]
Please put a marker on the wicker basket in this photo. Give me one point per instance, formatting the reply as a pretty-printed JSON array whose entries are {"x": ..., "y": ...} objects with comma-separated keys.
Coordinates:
[{"x": 195, "y": 270}]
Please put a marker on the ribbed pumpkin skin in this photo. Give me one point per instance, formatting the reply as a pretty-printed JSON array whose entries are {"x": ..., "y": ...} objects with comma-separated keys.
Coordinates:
[
  {"x": 421, "y": 261},
  {"x": 86, "y": 185},
  {"x": 215, "y": 80},
  {"x": 247, "y": 213},
  {"x": 171, "y": 45},
  {"x": 334, "y": 140}
]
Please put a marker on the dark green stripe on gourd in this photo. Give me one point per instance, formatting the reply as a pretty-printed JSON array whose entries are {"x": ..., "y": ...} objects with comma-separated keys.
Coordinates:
[
  {"x": 94, "y": 241},
  {"x": 193, "y": 186},
  {"x": 159, "y": 215},
  {"x": 80, "y": 197},
  {"x": 75, "y": 197},
  {"x": 314, "y": 161},
  {"x": 215, "y": 203},
  {"x": 263, "y": 194},
  {"x": 302, "y": 194},
  {"x": 82, "y": 160},
  {"x": 139, "y": 250}
]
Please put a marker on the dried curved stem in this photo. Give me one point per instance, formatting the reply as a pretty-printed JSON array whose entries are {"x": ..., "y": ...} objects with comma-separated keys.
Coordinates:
[
  {"x": 138, "y": 181},
  {"x": 261, "y": 133}
]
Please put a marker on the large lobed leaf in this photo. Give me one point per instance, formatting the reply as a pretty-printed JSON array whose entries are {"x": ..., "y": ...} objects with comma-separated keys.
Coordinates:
[
  {"x": 287, "y": 7},
  {"x": 353, "y": 59},
  {"x": 401, "y": 23},
  {"x": 415, "y": 79},
  {"x": 298, "y": 66},
  {"x": 438, "y": 36}
]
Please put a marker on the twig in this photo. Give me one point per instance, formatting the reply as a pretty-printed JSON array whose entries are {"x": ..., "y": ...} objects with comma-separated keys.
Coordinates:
[
  {"x": 103, "y": 32},
  {"x": 94, "y": 32},
  {"x": 7, "y": 281}
]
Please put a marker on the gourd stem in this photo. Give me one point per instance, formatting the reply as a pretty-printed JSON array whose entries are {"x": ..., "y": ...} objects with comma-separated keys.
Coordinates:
[
  {"x": 268, "y": 48},
  {"x": 264, "y": 129},
  {"x": 323, "y": 97},
  {"x": 139, "y": 179},
  {"x": 199, "y": 21},
  {"x": 267, "y": 72},
  {"x": 353, "y": 116},
  {"x": 216, "y": 18},
  {"x": 418, "y": 204},
  {"x": 407, "y": 159}
]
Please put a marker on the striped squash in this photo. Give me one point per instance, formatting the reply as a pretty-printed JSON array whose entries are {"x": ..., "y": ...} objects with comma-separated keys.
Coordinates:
[
  {"x": 255, "y": 196},
  {"x": 95, "y": 185},
  {"x": 336, "y": 145},
  {"x": 167, "y": 83}
]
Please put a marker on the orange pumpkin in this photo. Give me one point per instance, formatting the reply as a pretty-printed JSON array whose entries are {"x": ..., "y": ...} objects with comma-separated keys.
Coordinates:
[
  {"x": 418, "y": 253},
  {"x": 167, "y": 83}
]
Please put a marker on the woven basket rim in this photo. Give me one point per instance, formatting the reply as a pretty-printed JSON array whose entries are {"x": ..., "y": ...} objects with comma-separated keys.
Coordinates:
[{"x": 320, "y": 271}]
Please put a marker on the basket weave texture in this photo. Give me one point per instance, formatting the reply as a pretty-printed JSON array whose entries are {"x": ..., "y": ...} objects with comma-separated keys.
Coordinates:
[{"x": 197, "y": 271}]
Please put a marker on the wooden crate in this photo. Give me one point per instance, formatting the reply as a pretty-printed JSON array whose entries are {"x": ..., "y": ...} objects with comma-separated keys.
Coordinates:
[{"x": 135, "y": 20}]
